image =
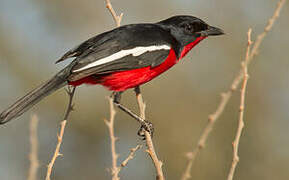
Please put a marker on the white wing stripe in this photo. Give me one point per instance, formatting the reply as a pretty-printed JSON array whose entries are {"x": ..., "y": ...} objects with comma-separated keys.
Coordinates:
[{"x": 135, "y": 52}]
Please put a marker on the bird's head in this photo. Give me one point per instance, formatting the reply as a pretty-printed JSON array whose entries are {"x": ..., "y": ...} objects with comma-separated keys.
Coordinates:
[{"x": 188, "y": 28}]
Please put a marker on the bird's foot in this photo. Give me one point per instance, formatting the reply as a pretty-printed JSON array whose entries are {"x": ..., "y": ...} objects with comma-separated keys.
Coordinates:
[{"x": 145, "y": 126}]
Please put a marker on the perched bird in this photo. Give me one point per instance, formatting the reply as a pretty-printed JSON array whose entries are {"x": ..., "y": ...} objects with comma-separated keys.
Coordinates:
[{"x": 125, "y": 57}]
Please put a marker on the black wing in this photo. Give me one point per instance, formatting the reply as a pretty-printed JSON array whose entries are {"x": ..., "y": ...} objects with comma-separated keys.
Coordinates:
[
  {"x": 85, "y": 46},
  {"x": 123, "y": 38}
]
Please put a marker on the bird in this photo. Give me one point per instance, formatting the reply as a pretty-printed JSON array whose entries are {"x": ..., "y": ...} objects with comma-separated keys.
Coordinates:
[{"x": 122, "y": 58}]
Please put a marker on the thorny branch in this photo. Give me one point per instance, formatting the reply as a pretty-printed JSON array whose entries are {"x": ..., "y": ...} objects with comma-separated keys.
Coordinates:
[
  {"x": 70, "y": 91},
  {"x": 151, "y": 151},
  {"x": 115, "y": 169},
  {"x": 130, "y": 156},
  {"x": 242, "y": 107},
  {"x": 225, "y": 97},
  {"x": 110, "y": 124}
]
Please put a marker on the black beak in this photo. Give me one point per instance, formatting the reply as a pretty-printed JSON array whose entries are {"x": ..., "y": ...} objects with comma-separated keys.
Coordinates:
[{"x": 212, "y": 31}]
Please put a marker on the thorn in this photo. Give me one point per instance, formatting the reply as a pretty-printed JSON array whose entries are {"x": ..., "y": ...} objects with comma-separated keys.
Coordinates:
[
  {"x": 241, "y": 108},
  {"x": 161, "y": 163},
  {"x": 211, "y": 118},
  {"x": 189, "y": 155},
  {"x": 201, "y": 145},
  {"x": 106, "y": 122},
  {"x": 120, "y": 17}
]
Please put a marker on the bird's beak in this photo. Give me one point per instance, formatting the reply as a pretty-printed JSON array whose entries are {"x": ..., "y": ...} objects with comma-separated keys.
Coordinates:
[{"x": 212, "y": 31}]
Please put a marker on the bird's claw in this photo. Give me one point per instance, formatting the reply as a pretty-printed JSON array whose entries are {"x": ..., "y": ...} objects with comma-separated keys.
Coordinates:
[{"x": 145, "y": 126}]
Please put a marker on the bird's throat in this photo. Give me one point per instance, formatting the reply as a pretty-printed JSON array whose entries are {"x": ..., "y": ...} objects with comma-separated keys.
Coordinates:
[{"x": 189, "y": 46}]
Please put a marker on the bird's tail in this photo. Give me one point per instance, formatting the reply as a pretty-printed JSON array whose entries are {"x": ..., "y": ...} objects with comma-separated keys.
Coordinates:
[{"x": 33, "y": 97}]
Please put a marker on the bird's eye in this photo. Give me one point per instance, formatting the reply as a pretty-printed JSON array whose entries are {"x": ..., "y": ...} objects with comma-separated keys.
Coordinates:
[
  {"x": 189, "y": 28},
  {"x": 194, "y": 27}
]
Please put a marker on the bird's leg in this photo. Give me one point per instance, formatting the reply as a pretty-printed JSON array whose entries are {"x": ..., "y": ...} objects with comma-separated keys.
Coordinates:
[
  {"x": 146, "y": 125},
  {"x": 116, "y": 100}
]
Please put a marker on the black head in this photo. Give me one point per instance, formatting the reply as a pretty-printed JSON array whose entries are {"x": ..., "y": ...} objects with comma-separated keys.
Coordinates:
[{"x": 187, "y": 28}]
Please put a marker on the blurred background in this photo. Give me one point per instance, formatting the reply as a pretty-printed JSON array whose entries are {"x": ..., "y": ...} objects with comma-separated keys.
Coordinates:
[{"x": 34, "y": 34}]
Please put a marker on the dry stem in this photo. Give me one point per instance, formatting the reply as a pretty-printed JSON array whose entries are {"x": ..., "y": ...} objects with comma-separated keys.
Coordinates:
[
  {"x": 33, "y": 156},
  {"x": 225, "y": 97},
  {"x": 130, "y": 156},
  {"x": 242, "y": 107},
  {"x": 117, "y": 18},
  {"x": 70, "y": 92},
  {"x": 110, "y": 124},
  {"x": 149, "y": 142},
  {"x": 115, "y": 169},
  {"x": 268, "y": 27}
]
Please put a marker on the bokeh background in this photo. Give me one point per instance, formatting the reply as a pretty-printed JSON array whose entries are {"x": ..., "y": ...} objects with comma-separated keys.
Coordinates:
[{"x": 35, "y": 33}]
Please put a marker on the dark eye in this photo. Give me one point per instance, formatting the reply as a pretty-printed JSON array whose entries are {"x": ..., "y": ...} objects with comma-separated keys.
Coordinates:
[
  {"x": 187, "y": 27},
  {"x": 194, "y": 27}
]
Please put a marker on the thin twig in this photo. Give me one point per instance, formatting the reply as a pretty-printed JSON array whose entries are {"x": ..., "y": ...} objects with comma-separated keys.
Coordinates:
[
  {"x": 225, "y": 97},
  {"x": 70, "y": 93},
  {"x": 117, "y": 18},
  {"x": 151, "y": 151},
  {"x": 130, "y": 156},
  {"x": 115, "y": 169},
  {"x": 33, "y": 156},
  {"x": 241, "y": 110},
  {"x": 268, "y": 27},
  {"x": 110, "y": 124}
]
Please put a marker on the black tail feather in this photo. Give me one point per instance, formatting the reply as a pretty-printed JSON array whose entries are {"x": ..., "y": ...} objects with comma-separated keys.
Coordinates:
[{"x": 33, "y": 97}]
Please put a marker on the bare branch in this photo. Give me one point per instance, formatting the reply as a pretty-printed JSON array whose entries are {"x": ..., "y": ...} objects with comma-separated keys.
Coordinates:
[
  {"x": 70, "y": 92},
  {"x": 110, "y": 124},
  {"x": 149, "y": 142},
  {"x": 130, "y": 156},
  {"x": 268, "y": 27},
  {"x": 33, "y": 156},
  {"x": 225, "y": 97},
  {"x": 117, "y": 18},
  {"x": 242, "y": 107}
]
